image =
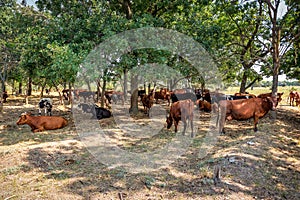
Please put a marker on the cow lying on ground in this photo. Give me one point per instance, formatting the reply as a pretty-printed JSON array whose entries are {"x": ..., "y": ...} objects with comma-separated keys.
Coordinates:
[
  {"x": 45, "y": 103},
  {"x": 41, "y": 123},
  {"x": 96, "y": 111},
  {"x": 245, "y": 94},
  {"x": 204, "y": 105},
  {"x": 244, "y": 109},
  {"x": 294, "y": 96},
  {"x": 181, "y": 110}
]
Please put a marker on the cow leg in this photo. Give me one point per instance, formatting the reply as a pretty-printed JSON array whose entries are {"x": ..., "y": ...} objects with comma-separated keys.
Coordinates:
[
  {"x": 255, "y": 123},
  {"x": 184, "y": 126},
  {"x": 40, "y": 112},
  {"x": 192, "y": 127},
  {"x": 38, "y": 129},
  {"x": 49, "y": 111},
  {"x": 176, "y": 125},
  {"x": 222, "y": 124}
]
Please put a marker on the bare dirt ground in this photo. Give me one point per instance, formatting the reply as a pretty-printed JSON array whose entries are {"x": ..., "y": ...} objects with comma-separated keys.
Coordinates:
[{"x": 57, "y": 165}]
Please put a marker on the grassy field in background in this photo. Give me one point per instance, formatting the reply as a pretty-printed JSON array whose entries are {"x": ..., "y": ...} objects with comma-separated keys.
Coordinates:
[{"x": 259, "y": 90}]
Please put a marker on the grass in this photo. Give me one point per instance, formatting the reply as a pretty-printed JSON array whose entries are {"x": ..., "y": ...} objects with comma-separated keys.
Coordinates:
[
  {"x": 260, "y": 90},
  {"x": 56, "y": 165}
]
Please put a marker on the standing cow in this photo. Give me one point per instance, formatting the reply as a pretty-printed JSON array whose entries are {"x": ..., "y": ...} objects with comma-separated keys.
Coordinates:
[
  {"x": 45, "y": 103},
  {"x": 181, "y": 110},
  {"x": 244, "y": 109}
]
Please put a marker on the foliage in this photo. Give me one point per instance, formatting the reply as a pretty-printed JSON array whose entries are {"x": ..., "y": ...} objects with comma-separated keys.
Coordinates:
[{"x": 49, "y": 42}]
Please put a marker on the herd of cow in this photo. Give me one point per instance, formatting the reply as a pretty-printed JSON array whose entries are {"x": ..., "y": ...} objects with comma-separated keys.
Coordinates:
[{"x": 227, "y": 107}]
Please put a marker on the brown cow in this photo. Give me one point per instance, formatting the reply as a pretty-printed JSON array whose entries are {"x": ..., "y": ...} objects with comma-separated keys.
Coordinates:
[
  {"x": 270, "y": 95},
  {"x": 41, "y": 123},
  {"x": 294, "y": 96},
  {"x": 181, "y": 110},
  {"x": 4, "y": 96},
  {"x": 204, "y": 105},
  {"x": 245, "y": 94},
  {"x": 163, "y": 94},
  {"x": 244, "y": 109},
  {"x": 148, "y": 101},
  {"x": 297, "y": 102}
]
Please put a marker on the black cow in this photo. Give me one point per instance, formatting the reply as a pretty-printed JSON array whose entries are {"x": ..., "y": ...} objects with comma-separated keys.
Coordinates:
[
  {"x": 96, "y": 111},
  {"x": 102, "y": 112},
  {"x": 185, "y": 96},
  {"x": 141, "y": 93},
  {"x": 45, "y": 103}
]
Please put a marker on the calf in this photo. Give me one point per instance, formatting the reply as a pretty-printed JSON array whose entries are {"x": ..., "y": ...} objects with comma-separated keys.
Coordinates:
[
  {"x": 4, "y": 96},
  {"x": 41, "y": 123},
  {"x": 148, "y": 101},
  {"x": 45, "y": 103},
  {"x": 163, "y": 94},
  {"x": 244, "y": 109},
  {"x": 204, "y": 105},
  {"x": 294, "y": 96},
  {"x": 181, "y": 110},
  {"x": 96, "y": 111}
]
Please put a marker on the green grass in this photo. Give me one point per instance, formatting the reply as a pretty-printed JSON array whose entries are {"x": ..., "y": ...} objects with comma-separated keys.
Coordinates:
[{"x": 259, "y": 90}]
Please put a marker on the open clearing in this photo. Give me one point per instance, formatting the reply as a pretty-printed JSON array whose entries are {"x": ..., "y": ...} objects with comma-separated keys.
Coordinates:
[{"x": 56, "y": 164}]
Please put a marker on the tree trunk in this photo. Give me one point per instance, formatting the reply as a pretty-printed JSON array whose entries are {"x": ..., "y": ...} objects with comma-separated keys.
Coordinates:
[
  {"x": 98, "y": 91},
  {"x": 70, "y": 93},
  {"x": 125, "y": 89},
  {"x": 29, "y": 89},
  {"x": 60, "y": 96},
  {"x": 243, "y": 83},
  {"x": 20, "y": 88},
  {"x": 134, "y": 96},
  {"x": 3, "y": 85},
  {"x": 103, "y": 94},
  {"x": 42, "y": 91},
  {"x": 127, "y": 8}
]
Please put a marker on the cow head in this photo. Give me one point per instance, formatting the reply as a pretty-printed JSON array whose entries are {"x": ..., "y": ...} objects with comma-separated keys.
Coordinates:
[
  {"x": 279, "y": 97},
  {"x": 169, "y": 122},
  {"x": 23, "y": 118},
  {"x": 272, "y": 102}
]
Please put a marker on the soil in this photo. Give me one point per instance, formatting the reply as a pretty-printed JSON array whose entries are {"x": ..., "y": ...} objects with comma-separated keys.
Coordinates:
[{"x": 59, "y": 164}]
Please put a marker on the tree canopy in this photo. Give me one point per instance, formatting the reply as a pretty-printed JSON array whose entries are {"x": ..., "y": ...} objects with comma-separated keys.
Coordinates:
[{"x": 46, "y": 43}]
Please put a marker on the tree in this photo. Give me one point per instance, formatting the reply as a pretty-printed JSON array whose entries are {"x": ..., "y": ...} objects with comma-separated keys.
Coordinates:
[
  {"x": 283, "y": 34},
  {"x": 9, "y": 55}
]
